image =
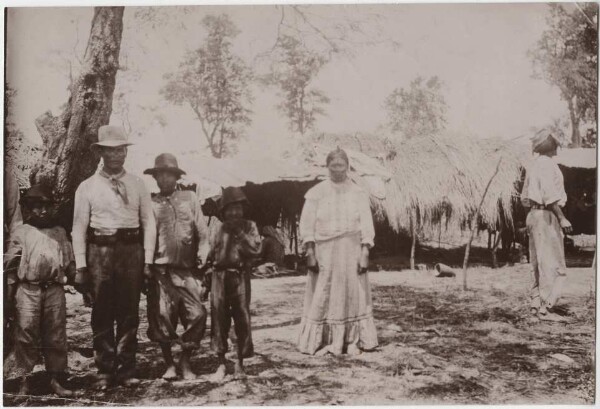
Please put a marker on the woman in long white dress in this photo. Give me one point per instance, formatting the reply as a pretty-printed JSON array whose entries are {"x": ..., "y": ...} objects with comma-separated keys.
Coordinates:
[{"x": 336, "y": 227}]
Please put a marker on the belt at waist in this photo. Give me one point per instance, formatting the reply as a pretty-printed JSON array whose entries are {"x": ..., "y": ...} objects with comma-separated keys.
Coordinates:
[
  {"x": 105, "y": 236},
  {"x": 44, "y": 285},
  {"x": 537, "y": 206}
]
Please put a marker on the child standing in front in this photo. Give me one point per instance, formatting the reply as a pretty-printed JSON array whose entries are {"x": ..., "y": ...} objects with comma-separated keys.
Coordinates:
[
  {"x": 35, "y": 293},
  {"x": 235, "y": 245}
]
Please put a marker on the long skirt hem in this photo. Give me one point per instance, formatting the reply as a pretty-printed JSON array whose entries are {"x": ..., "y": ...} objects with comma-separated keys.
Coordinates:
[{"x": 337, "y": 336}]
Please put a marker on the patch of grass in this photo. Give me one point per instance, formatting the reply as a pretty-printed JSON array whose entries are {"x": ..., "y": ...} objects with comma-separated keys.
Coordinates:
[{"x": 463, "y": 390}]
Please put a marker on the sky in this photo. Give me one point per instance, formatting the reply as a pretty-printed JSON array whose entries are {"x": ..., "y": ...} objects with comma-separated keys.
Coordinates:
[{"x": 479, "y": 51}]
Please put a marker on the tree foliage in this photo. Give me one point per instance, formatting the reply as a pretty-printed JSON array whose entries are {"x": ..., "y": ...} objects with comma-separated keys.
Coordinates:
[
  {"x": 20, "y": 154},
  {"x": 293, "y": 70},
  {"x": 566, "y": 56},
  {"x": 215, "y": 84},
  {"x": 418, "y": 110}
]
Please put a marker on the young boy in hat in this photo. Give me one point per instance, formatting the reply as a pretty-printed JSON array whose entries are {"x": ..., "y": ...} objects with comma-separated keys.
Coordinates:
[
  {"x": 35, "y": 294},
  {"x": 235, "y": 245},
  {"x": 544, "y": 194},
  {"x": 175, "y": 285}
]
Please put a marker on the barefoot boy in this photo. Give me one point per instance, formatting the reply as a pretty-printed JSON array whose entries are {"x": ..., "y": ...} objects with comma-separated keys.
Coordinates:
[
  {"x": 234, "y": 247},
  {"x": 35, "y": 293},
  {"x": 175, "y": 287}
]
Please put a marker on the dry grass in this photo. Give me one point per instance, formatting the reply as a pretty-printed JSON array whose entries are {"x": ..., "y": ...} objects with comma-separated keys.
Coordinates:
[{"x": 438, "y": 344}]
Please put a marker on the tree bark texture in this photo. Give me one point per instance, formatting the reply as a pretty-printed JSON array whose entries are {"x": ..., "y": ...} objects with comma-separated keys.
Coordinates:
[
  {"x": 575, "y": 120},
  {"x": 67, "y": 159}
]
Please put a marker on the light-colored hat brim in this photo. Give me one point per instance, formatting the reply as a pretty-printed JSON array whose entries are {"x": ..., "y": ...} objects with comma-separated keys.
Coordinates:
[
  {"x": 112, "y": 144},
  {"x": 152, "y": 171}
]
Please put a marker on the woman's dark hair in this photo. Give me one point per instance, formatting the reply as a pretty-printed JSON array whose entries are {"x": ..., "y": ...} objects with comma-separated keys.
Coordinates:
[{"x": 337, "y": 153}]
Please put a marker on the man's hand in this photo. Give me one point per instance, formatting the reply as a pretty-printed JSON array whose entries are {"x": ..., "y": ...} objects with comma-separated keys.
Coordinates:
[
  {"x": 566, "y": 226},
  {"x": 147, "y": 270},
  {"x": 147, "y": 276},
  {"x": 205, "y": 286},
  {"x": 81, "y": 283}
]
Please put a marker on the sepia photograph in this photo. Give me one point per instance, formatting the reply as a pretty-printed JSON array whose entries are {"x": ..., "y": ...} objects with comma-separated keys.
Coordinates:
[{"x": 300, "y": 204}]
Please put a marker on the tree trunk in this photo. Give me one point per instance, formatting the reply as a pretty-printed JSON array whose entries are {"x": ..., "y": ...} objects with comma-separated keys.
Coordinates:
[
  {"x": 67, "y": 159},
  {"x": 575, "y": 134}
]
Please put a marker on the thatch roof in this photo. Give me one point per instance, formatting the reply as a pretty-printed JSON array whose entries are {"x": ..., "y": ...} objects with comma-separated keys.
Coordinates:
[
  {"x": 442, "y": 178},
  {"x": 301, "y": 163}
]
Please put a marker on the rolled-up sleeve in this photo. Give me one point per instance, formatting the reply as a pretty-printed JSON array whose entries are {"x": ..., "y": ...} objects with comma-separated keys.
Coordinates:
[
  {"x": 308, "y": 221},
  {"x": 81, "y": 221},
  {"x": 367, "y": 230},
  {"x": 148, "y": 223},
  {"x": 201, "y": 230},
  {"x": 552, "y": 187}
]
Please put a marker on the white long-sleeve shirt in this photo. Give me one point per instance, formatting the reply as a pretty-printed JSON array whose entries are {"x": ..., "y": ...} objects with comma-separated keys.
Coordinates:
[
  {"x": 98, "y": 206},
  {"x": 335, "y": 209}
]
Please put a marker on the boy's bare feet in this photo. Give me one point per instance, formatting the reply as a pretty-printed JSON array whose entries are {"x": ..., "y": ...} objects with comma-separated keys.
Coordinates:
[
  {"x": 24, "y": 389},
  {"x": 170, "y": 374},
  {"x": 60, "y": 390},
  {"x": 238, "y": 371},
  {"x": 186, "y": 370},
  {"x": 101, "y": 384},
  {"x": 219, "y": 375},
  {"x": 129, "y": 382}
]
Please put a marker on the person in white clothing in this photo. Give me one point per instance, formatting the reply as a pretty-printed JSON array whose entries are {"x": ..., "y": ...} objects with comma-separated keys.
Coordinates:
[{"x": 544, "y": 195}]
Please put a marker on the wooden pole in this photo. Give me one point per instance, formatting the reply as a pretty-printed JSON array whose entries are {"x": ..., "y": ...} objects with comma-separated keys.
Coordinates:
[
  {"x": 474, "y": 225},
  {"x": 413, "y": 226},
  {"x": 497, "y": 236}
]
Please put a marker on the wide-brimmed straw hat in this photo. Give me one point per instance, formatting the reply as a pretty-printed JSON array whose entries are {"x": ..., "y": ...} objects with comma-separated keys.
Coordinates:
[
  {"x": 165, "y": 162},
  {"x": 111, "y": 136},
  {"x": 232, "y": 195},
  {"x": 37, "y": 193}
]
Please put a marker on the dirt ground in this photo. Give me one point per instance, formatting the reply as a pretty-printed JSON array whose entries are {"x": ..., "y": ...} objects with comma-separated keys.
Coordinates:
[{"x": 438, "y": 344}]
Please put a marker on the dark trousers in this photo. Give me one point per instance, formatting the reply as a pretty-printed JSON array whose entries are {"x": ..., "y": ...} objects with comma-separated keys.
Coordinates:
[
  {"x": 117, "y": 276},
  {"x": 230, "y": 299}
]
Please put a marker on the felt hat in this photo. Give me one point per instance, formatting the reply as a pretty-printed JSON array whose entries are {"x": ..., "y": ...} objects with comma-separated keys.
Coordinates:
[
  {"x": 111, "y": 136},
  {"x": 232, "y": 195},
  {"x": 541, "y": 140},
  {"x": 165, "y": 162},
  {"x": 37, "y": 193}
]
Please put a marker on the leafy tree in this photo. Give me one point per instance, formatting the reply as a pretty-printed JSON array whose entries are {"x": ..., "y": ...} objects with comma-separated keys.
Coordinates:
[
  {"x": 293, "y": 70},
  {"x": 418, "y": 110},
  {"x": 20, "y": 154},
  {"x": 215, "y": 84},
  {"x": 566, "y": 56}
]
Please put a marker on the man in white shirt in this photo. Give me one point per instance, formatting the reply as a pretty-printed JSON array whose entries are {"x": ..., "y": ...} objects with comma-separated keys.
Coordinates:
[
  {"x": 114, "y": 236},
  {"x": 544, "y": 194}
]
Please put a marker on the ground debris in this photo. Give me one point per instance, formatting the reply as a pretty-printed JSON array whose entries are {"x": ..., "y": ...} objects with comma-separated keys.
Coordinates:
[{"x": 563, "y": 358}]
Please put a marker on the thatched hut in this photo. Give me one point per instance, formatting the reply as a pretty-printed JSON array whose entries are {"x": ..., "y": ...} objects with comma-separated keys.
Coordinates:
[
  {"x": 440, "y": 179},
  {"x": 275, "y": 186},
  {"x": 579, "y": 170}
]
